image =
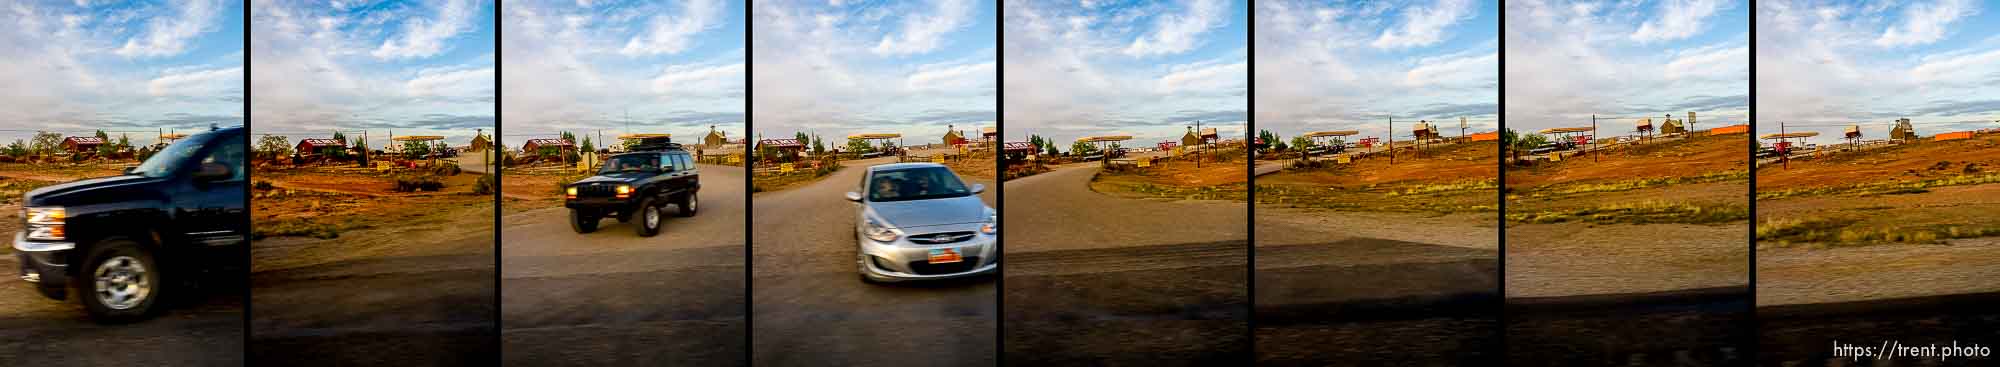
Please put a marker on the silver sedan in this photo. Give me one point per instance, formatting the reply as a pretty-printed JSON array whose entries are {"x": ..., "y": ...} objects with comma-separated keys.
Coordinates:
[{"x": 919, "y": 221}]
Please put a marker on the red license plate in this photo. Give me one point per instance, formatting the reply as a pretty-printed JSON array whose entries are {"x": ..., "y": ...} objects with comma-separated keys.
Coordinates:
[{"x": 945, "y": 256}]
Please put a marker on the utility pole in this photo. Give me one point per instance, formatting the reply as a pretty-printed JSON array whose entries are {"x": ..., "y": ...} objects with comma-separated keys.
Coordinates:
[
  {"x": 1593, "y": 139},
  {"x": 1392, "y": 140}
]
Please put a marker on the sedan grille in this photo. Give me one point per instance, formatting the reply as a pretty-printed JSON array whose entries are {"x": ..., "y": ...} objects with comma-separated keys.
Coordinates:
[{"x": 942, "y": 238}]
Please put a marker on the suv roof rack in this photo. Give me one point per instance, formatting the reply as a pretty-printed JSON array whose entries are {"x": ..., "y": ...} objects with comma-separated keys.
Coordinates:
[{"x": 655, "y": 144}]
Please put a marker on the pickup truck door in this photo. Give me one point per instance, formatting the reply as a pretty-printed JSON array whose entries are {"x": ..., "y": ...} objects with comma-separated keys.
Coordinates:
[{"x": 213, "y": 213}]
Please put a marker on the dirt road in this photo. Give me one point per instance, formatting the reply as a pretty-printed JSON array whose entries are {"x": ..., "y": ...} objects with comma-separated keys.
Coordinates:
[
  {"x": 809, "y": 307},
  {"x": 204, "y": 329},
  {"x": 613, "y": 298},
  {"x": 422, "y": 294},
  {"x": 1402, "y": 297},
  {"x": 1093, "y": 279}
]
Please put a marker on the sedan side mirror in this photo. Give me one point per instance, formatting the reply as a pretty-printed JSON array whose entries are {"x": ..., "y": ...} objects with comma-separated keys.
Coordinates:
[
  {"x": 853, "y": 196},
  {"x": 978, "y": 188}
]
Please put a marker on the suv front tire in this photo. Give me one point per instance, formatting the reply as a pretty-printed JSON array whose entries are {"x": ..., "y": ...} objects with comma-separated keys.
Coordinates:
[
  {"x": 647, "y": 218},
  {"x": 582, "y": 222}
]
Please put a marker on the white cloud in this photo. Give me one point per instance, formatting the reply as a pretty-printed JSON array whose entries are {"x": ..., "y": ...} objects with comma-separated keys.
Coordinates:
[
  {"x": 1714, "y": 62},
  {"x": 1678, "y": 19},
  {"x": 922, "y": 33},
  {"x": 1180, "y": 32},
  {"x": 673, "y": 34},
  {"x": 452, "y": 82},
  {"x": 424, "y": 37},
  {"x": 169, "y": 35},
  {"x": 702, "y": 80},
  {"x": 1454, "y": 70},
  {"x": 1425, "y": 25},
  {"x": 197, "y": 83},
  {"x": 1926, "y": 23},
  {"x": 1205, "y": 78},
  {"x": 963, "y": 77}
]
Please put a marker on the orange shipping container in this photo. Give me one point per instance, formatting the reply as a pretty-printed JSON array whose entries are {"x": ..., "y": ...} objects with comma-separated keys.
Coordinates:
[
  {"x": 1731, "y": 129},
  {"x": 1954, "y": 136}
]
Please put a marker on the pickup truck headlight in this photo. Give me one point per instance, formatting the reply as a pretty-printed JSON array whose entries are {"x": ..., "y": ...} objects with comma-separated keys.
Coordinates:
[
  {"x": 875, "y": 231},
  {"x": 624, "y": 191},
  {"x": 46, "y": 223},
  {"x": 992, "y": 225},
  {"x": 569, "y": 192}
]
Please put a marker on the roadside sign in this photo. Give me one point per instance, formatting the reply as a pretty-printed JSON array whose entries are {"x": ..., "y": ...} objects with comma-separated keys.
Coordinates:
[
  {"x": 735, "y": 159},
  {"x": 383, "y": 166},
  {"x": 1143, "y": 163},
  {"x": 785, "y": 168},
  {"x": 1343, "y": 160},
  {"x": 1555, "y": 156}
]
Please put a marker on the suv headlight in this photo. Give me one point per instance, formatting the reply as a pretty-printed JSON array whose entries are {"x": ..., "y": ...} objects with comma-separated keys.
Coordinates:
[
  {"x": 46, "y": 223},
  {"x": 569, "y": 192},
  {"x": 992, "y": 225},
  {"x": 875, "y": 231},
  {"x": 624, "y": 191}
]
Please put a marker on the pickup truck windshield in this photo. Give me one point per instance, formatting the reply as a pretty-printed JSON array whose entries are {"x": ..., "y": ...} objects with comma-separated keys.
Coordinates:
[
  {"x": 915, "y": 184},
  {"x": 630, "y": 163},
  {"x": 173, "y": 158}
]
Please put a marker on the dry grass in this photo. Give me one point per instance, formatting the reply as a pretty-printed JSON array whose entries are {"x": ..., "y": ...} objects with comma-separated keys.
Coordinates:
[
  {"x": 1824, "y": 231},
  {"x": 1650, "y": 212},
  {"x": 1883, "y": 187}
]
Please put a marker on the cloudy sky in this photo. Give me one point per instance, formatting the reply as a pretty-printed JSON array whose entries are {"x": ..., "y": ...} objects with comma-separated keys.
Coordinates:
[
  {"x": 1567, "y": 60},
  {"x": 1335, "y": 65},
  {"x": 75, "y": 67},
  {"x": 407, "y": 67},
  {"x": 581, "y": 66},
  {"x": 1141, "y": 68},
  {"x": 840, "y": 67},
  {"x": 1826, "y": 65}
]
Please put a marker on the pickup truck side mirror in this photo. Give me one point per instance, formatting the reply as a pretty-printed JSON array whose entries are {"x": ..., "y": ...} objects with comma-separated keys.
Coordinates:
[
  {"x": 853, "y": 196},
  {"x": 211, "y": 172},
  {"x": 978, "y": 188}
]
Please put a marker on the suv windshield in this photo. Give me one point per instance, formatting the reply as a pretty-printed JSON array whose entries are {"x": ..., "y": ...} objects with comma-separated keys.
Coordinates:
[
  {"x": 915, "y": 184},
  {"x": 173, "y": 158},
  {"x": 631, "y": 163}
]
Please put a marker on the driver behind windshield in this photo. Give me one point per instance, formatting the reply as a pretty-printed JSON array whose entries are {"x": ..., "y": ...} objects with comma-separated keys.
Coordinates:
[{"x": 886, "y": 188}]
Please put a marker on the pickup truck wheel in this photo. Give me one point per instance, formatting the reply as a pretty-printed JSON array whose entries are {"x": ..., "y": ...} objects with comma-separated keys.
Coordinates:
[
  {"x": 582, "y": 222},
  {"x": 688, "y": 204},
  {"x": 120, "y": 282},
  {"x": 648, "y": 218}
]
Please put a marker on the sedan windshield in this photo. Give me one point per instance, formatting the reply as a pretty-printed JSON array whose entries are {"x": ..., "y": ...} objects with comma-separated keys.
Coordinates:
[
  {"x": 915, "y": 184},
  {"x": 630, "y": 163}
]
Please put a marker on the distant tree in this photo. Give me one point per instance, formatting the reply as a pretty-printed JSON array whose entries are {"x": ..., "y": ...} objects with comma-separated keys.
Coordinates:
[
  {"x": 415, "y": 149},
  {"x": 1082, "y": 148},
  {"x": 274, "y": 146},
  {"x": 1302, "y": 143},
  {"x": 363, "y": 157},
  {"x": 819, "y": 147},
  {"x": 859, "y": 146},
  {"x": 45, "y": 142},
  {"x": 587, "y": 146},
  {"x": 338, "y": 136},
  {"x": 17, "y": 149},
  {"x": 1270, "y": 139}
]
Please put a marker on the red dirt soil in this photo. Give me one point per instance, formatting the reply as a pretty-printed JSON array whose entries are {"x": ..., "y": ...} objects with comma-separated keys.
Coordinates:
[
  {"x": 1693, "y": 157},
  {"x": 1458, "y": 162},
  {"x": 1884, "y": 164}
]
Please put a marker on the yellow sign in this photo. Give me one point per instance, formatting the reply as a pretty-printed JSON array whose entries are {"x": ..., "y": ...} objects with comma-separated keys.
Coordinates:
[
  {"x": 735, "y": 159},
  {"x": 583, "y": 166},
  {"x": 383, "y": 166},
  {"x": 961, "y": 149},
  {"x": 1343, "y": 160},
  {"x": 1555, "y": 157},
  {"x": 786, "y": 168},
  {"x": 1143, "y": 163}
]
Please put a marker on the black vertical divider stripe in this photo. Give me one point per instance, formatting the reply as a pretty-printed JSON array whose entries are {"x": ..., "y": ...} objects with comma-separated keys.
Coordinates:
[
  {"x": 498, "y": 176},
  {"x": 1500, "y": 309},
  {"x": 749, "y": 210},
  {"x": 1754, "y": 335},
  {"x": 1250, "y": 197},
  {"x": 1000, "y": 186},
  {"x": 249, "y": 211}
]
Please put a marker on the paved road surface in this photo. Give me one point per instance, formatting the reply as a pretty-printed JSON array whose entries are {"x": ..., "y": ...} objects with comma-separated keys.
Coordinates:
[
  {"x": 433, "y": 310},
  {"x": 810, "y": 308},
  {"x": 613, "y": 298},
  {"x": 1362, "y": 288},
  {"x": 1092, "y": 279},
  {"x": 203, "y": 329}
]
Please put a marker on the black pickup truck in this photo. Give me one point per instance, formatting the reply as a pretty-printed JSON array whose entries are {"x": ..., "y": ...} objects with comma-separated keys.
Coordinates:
[
  {"x": 125, "y": 242},
  {"x": 634, "y": 186}
]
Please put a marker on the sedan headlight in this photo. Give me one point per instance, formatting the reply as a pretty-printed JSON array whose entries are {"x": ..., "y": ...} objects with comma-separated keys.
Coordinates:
[
  {"x": 992, "y": 225},
  {"x": 875, "y": 231},
  {"x": 46, "y": 223}
]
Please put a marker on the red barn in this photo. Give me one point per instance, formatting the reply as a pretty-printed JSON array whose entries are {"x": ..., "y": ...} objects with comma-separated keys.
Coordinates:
[
  {"x": 316, "y": 146},
  {"x": 79, "y": 144},
  {"x": 547, "y": 146}
]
